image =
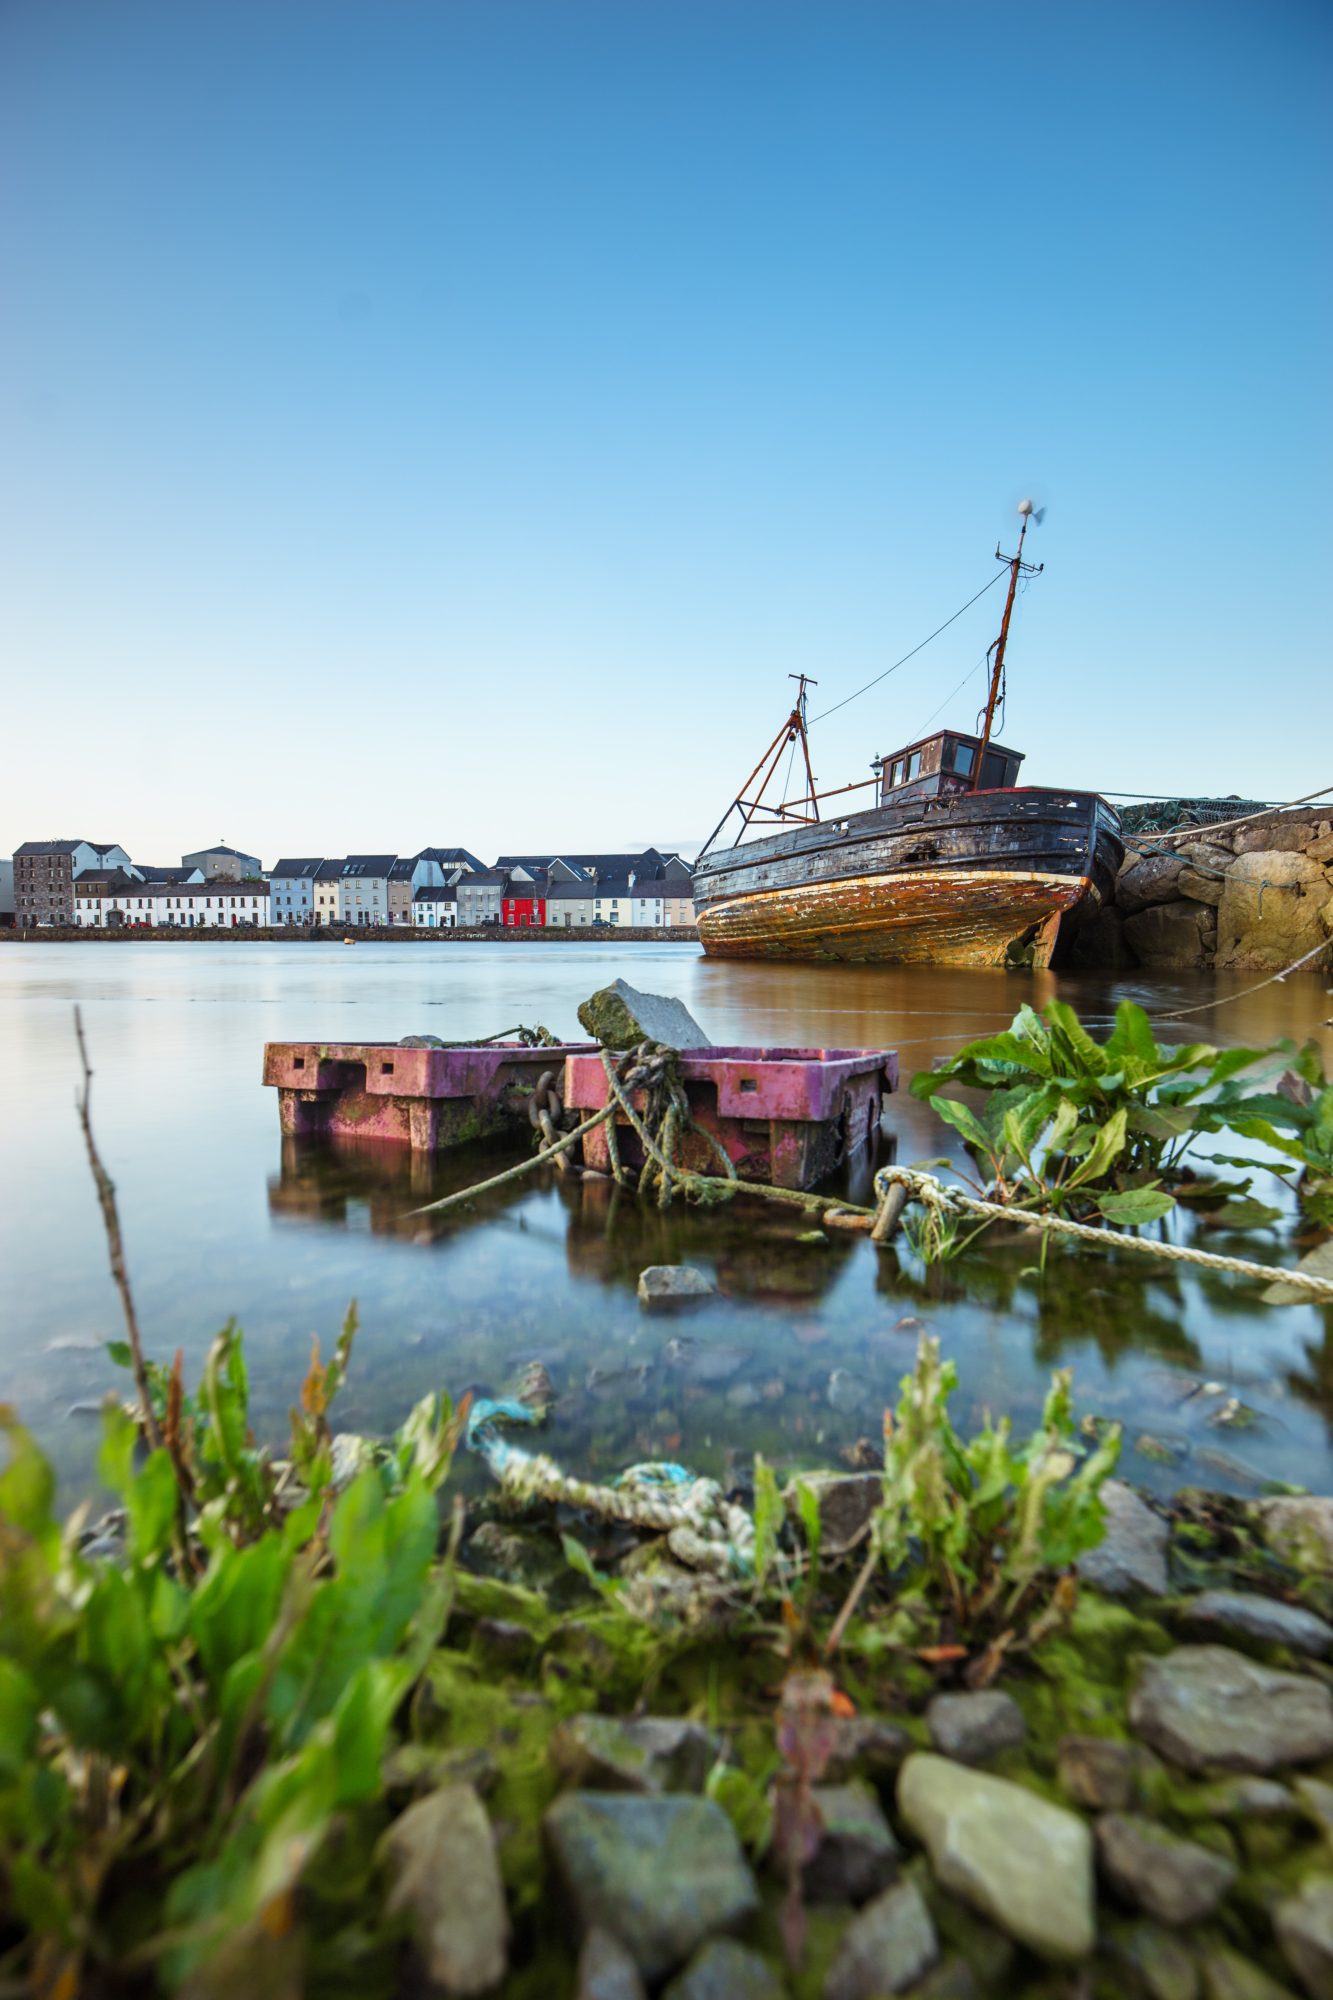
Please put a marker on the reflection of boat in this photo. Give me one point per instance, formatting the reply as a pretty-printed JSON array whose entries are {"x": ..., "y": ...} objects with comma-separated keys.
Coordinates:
[{"x": 955, "y": 864}]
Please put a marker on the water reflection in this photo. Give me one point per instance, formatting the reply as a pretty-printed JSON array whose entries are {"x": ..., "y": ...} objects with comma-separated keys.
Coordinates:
[{"x": 797, "y": 1353}]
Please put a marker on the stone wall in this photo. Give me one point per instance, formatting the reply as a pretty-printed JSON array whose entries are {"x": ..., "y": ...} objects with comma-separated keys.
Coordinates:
[{"x": 1252, "y": 898}]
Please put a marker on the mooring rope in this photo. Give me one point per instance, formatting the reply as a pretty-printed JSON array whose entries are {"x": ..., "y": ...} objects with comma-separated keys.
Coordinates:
[
  {"x": 703, "y": 1527},
  {"x": 932, "y": 1193}
]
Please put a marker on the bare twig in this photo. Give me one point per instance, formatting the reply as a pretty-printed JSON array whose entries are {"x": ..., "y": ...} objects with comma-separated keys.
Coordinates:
[
  {"x": 106, "y": 1195},
  {"x": 854, "y": 1596}
]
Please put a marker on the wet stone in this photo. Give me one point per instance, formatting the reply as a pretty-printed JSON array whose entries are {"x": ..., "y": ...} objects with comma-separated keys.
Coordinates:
[
  {"x": 886, "y": 1948},
  {"x": 1239, "y": 1798},
  {"x": 652, "y": 1754},
  {"x": 725, "y": 1970},
  {"x": 864, "y": 1747},
  {"x": 1228, "y": 1975},
  {"x": 620, "y": 1017},
  {"x": 1130, "y": 1560},
  {"x": 660, "y": 1873},
  {"x": 669, "y": 1287},
  {"x": 607, "y": 1971},
  {"x": 1022, "y": 1862},
  {"x": 856, "y": 1855},
  {"x": 1242, "y": 1614},
  {"x": 1316, "y": 1799},
  {"x": 973, "y": 1727},
  {"x": 1165, "y": 1967},
  {"x": 446, "y": 1878},
  {"x": 1304, "y": 1927},
  {"x": 1174, "y": 1880},
  {"x": 1203, "y": 1705},
  {"x": 847, "y": 1505},
  {"x": 1300, "y": 1530},
  {"x": 1097, "y": 1772},
  {"x": 513, "y": 1555}
]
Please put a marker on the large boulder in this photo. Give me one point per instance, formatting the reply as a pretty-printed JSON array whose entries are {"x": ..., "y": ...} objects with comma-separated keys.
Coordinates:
[
  {"x": 1292, "y": 833},
  {"x": 1277, "y": 906},
  {"x": 1096, "y": 939},
  {"x": 1021, "y": 1861},
  {"x": 1172, "y": 937},
  {"x": 1147, "y": 878}
]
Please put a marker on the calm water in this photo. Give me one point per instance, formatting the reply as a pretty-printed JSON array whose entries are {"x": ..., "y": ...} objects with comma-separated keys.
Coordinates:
[{"x": 799, "y": 1352}]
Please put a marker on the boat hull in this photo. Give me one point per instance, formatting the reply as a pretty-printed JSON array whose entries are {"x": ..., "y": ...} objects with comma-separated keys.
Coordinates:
[{"x": 978, "y": 880}]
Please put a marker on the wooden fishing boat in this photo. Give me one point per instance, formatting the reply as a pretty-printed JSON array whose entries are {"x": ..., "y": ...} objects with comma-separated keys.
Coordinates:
[{"x": 955, "y": 863}]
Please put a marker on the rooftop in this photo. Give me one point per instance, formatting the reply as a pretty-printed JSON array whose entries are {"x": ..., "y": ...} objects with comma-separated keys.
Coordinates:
[{"x": 298, "y": 869}]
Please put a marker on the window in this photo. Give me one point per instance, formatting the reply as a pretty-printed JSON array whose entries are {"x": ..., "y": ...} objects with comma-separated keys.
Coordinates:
[
  {"x": 963, "y": 756},
  {"x": 994, "y": 769}
]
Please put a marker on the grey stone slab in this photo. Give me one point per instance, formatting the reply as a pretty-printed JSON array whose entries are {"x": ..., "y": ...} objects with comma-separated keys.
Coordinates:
[
  {"x": 1130, "y": 1560},
  {"x": 972, "y": 1727},
  {"x": 620, "y": 1017},
  {"x": 1243, "y": 1614},
  {"x": 1203, "y": 1705},
  {"x": 1174, "y": 1880},
  {"x": 661, "y": 1873},
  {"x": 885, "y": 1949}
]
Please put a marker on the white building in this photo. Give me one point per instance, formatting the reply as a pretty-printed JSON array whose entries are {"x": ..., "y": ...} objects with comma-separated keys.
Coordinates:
[
  {"x": 111, "y": 899},
  {"x": 436, "y": 909}
]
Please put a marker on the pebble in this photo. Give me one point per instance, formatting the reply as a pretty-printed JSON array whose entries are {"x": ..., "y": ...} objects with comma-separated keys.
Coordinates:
[
  {"x": 725, "y": 1970},
  {"x": 1131, "y": 1558},
  {"x": 1229, "y": 1976},
  {"x": 661, "y": 1873},
  {"x": 1244, "y": 1614},
  {"x": 1163, "y": 1964},
  {"x": 654, "y": 1753},
  {"x": 1205, "y": 1705},
  {"x": 446, "y": 1877},
  {"x": 886, "y": 1948},
  {"x": 1021, "y": 1861},
  {"x": 607, "y": 1971},
  {"x": 973, "y": 1727},
  {"x": 1298, "y": 1530},
  {"x": 1098, "y": 1771},
  {"x": 855, "y": 1854},
  {"x": 1174, "y": 1880},
  {"x": 848, "y": 1502},
  {"x": 666, "y": 1287},
  {"x": 863, "y": 1746},
  {"x": 846, "y": 1392},
  {"x": 1317, "y": 1800},
  {"x": 1304, "y": 1927}
]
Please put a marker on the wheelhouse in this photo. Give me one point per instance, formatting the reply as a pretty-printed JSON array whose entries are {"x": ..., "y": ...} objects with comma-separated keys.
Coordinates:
[{"x": 940, "y": 765}]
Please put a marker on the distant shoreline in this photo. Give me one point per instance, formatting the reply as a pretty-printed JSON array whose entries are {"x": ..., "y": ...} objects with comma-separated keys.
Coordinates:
[{"x": 294, "y": 934}]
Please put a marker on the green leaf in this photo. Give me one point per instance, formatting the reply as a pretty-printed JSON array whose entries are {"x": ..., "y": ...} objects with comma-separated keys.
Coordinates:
[
  {"x": 1245, "y": 1213},
  {"x": 19, "y": 1707},
  {"x": 120, "y": 1352},
  {"x": 963, "y": 1121},
  {"x": 1135, "y": 1206},
  {"x": 807, "y": 1504},
  {"x": 768, "y": 1513},
  {"x": 1104, "y": 1151},
  {"x": 746, "y": 1804},
  {"x": 151, "y": 1502}
]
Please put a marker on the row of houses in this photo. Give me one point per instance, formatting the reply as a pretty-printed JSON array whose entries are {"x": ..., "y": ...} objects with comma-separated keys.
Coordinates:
[{"x": 95, "y": 885}]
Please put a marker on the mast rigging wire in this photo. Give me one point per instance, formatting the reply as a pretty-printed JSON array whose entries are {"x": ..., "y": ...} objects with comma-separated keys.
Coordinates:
[{"x": 912, "y": 655}]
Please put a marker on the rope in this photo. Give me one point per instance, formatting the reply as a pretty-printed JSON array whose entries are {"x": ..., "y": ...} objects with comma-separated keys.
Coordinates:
[
  {"x": 702, "y": 1526},
  {"x": 1273, "y": 978},
  {"x": 933, "y": 1194}
]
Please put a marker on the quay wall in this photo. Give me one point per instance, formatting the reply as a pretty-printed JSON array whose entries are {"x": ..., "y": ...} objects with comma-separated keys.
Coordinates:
[
  {"x": 362, "y": 934},
  {"x": 1252, "y": 897}
]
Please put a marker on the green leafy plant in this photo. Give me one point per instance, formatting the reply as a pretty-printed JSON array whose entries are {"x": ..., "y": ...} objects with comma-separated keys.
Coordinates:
[
  {"x": 981, "y": 1531},
  {"x": 1082, "y": 1127}
]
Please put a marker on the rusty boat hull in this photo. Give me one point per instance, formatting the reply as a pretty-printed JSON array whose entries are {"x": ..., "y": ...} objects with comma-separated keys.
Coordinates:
[{"x": 971, "y": 879}]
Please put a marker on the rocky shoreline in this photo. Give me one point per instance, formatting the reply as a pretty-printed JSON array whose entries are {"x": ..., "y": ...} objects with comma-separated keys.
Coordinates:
[{"x": 1253, "y": 897}]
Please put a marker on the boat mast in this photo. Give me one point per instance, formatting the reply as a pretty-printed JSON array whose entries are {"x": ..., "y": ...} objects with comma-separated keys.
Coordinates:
[{"x": 1017, "y": 568}]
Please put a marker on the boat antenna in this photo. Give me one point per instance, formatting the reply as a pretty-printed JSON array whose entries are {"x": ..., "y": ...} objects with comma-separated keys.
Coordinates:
[{"x": 1017, "y": 568}]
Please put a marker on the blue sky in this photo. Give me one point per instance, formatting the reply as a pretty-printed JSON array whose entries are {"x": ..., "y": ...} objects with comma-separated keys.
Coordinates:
[{"x": 452, "y": 422}]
